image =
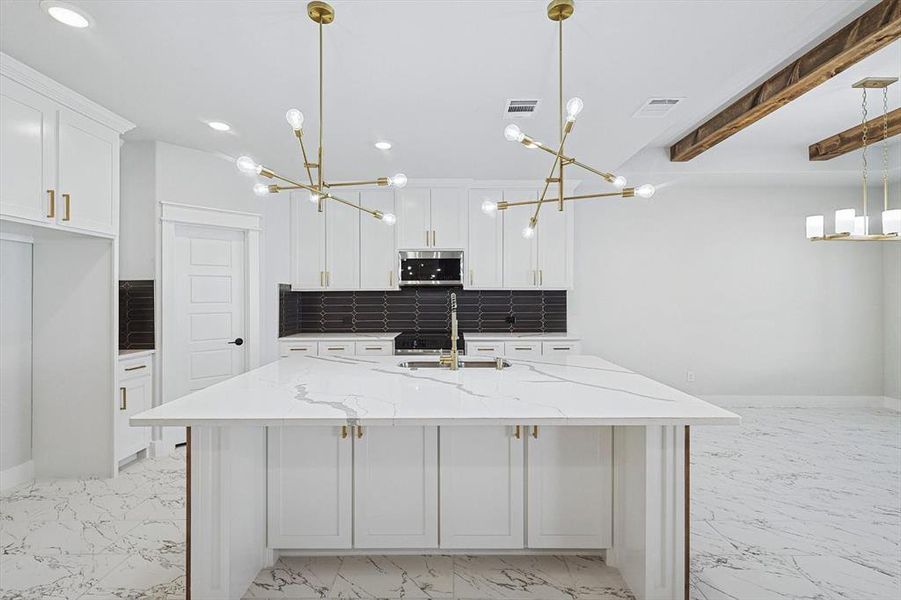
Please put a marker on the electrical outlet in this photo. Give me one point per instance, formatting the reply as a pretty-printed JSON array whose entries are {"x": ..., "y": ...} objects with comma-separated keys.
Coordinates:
[{"x": 690, "y": 376}]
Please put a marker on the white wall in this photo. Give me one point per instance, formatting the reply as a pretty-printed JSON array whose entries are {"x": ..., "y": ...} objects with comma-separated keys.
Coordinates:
[
  {"x": 891, "y": 266},
  {"x": 154, "y": 172},
  {"x": 15, "y": 353},
  {"x": 722, "y": 282}
]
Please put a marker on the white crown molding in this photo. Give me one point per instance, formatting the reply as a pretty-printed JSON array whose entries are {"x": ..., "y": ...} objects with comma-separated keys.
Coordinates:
[
  {"x": 42, "y": 84},
  {"x": 205, "y": 215}
]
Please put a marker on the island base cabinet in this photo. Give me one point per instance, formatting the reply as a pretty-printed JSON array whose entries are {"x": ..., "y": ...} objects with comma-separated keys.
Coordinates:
[
  {"x": 570, "y": 487},
  {"x": 396, "y": 487},
  {"x": 481, "y": 487},
  {"x": 309, "y": 488}
]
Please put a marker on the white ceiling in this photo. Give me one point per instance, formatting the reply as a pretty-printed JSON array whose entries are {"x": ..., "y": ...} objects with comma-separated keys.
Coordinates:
[{"x": 432, "y": 77}]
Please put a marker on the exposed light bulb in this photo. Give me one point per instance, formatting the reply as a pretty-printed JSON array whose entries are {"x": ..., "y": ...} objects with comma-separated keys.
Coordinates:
[
  {"x": 489, "y": 207},
  {"x": 389, "y": 219},
  {"x": 398, "y": 181},
  {"x": 816, "y": 226},
  {"x": 295, "y": 119},
  {"x": 261, "y": 189},
  {"x": 314, "y": 198},
  {"x": 844, "y": 220},
  {"x": 513, "y": 133},
  {"x": 528, "y": 231},
  {"x": 248, "y": 166},
  {"x": 645, "y": 191},
  {"x": 619, "y": 181},
  {"x": 573, "y": 108},
  {"x": 891, "y": 221}
]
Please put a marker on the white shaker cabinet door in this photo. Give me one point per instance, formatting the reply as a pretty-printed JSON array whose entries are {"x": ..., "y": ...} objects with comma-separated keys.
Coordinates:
[
  {"x": 519, "y": 252},
  {"x": 134, "y": 398},
  {"x": 554, "y": 246},
  {"x": 570, "y": 477},
  {"x": 27, "y": 153},
  {"x": 88, "y": 174},
  {"x": 481, "y": 487},
  {"x": 484, "y": 258},
  {"x": 448, "y": 218},
  {"x": 414, "y": 222},
  {"x": 309, "y": 488},
  {"x": 342, "y": 244},
  {"x": 307, "y": 243},
  {"x": 378, "y": 247},
  {"x": 396, "y": 487}
]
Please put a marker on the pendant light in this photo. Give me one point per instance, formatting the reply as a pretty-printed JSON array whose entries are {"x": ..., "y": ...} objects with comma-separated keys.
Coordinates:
[
  {"x": 559, "y": 11},
  {"x": 849, "y": 226},
  {"x": 320, "y": 189}
]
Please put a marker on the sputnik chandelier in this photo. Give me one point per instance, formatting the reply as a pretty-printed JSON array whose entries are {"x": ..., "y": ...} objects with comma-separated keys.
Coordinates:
[
  {"x": 850, "y": 226},
  {"x": 559, "y": 11},
  {"x": 320, "y": 189}
]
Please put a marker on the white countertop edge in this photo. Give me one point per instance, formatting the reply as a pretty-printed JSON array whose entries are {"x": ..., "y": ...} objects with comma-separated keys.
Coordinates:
[
  {"x": 336, "y": 337},
  {"x": 129, "y": 354},
  {"x": 440, "y": 422}
]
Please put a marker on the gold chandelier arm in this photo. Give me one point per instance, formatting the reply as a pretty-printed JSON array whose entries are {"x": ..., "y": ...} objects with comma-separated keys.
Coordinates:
[
  {"x": 609, "y": 177},
  {"x": 306, "y": 161},
  {"x": 375, "y": 213},
  {"x": 380, "y": 181},
  {"x": 547, "y": 182},
  {"x": 296, "y": 185},
  {"x": 624, "y": 193}
]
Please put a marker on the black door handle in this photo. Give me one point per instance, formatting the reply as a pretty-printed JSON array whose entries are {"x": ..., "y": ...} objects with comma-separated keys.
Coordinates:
[{"x": 237, "y": 342}]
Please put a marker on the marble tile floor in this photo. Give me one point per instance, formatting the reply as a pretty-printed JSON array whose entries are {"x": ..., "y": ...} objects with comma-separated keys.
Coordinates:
[{"x": 794, "y": 504}]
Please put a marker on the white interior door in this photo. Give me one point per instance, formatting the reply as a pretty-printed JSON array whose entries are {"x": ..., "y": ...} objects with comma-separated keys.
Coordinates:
[
  {"x": 570, "y": 486},
  {"x": 414, "y": 222},
  {"x": 207, "y": 343},
  {"x": 378, "y": 249}
]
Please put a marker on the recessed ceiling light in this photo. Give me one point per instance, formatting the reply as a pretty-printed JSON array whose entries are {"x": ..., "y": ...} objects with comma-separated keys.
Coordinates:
[
  {"x": 66, "y": 13},
  {"x": 219, "y": 125},
  {"x": 383, "y": 145}
]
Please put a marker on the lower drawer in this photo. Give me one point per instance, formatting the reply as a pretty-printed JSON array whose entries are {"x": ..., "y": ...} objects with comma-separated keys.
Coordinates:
[
  {"x": 286, "y": 349},
  {"x": 374, "y": 348}
]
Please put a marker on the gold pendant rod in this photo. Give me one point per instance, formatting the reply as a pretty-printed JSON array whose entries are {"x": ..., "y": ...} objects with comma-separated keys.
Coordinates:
[
  {"x": 379, "y": 181},
  {"x": 624, "y": 193},
  {"x": 609, "y": 177},
  {"x": 562, "y": 133},
  {"x": 547, "y": 182},
  {"x": 319, "y": 169}
]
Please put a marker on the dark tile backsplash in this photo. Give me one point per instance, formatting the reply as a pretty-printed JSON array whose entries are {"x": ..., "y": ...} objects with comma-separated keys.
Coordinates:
[
  {"x": 136, "y": 314},
  {"x": 418, "y": 309}
]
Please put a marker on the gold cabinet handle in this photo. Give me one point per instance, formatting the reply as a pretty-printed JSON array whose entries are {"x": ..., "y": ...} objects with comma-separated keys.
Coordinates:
[
  {"x": 540, "y": 276},
  {"x": 535, "y": 431},
  {"x": 470, "y": 277},
  {"x": 136, "y": 368},
  {"x": 373, "y": 348},
  {"x": 321, "y": 279},
  {"x": 328, "y": 279},
  {"x": 434, "y": 238},
  {"x": 123, "y": 398},
  {"x": 523, "y": 348},
  {"x": 67, "y": 211},
  {"x": 359, "y": 431},
  {"x": 297, "y": 349},
  {"x": 426, "y": 237},
  {"x": 517, "y": 432},
  {"x": 51, "y": 211},
  {"x": 344, "y": 432}
]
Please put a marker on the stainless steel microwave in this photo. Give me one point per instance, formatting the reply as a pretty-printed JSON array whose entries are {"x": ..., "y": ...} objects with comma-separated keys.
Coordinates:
[{"x": 431, "y": 267}]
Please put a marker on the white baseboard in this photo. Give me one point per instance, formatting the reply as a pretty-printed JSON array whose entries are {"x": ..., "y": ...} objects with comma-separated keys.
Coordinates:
[
  {"x": 729, "y": 401},
  {"x": 161, "y": 448},
  {"x": 13, "y": 476}
]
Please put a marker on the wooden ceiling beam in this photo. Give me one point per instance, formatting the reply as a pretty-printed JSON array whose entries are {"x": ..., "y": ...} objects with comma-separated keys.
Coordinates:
[
  {"x": 852, "y": 139},
  {"x": 875, "y": 29}
]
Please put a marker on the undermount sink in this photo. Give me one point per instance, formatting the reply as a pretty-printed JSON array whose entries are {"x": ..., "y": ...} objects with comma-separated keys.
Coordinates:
[{"x": 463, "y": 363}]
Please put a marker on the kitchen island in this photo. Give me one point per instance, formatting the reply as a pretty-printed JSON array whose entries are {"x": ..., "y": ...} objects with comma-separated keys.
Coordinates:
[{"x": 331, "y": 455}]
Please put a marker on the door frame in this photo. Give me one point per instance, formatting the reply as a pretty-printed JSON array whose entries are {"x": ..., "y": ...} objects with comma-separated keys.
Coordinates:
[{"x": 172, "y": 214}]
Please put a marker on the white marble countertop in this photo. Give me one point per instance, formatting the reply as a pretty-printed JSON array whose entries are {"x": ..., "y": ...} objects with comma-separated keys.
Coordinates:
[
  {"x": 124, "y": 354},
  {"x": 339, "y": 337},
  {"x": 374, "y": 390},
  {"x": 539, "y": 337}
]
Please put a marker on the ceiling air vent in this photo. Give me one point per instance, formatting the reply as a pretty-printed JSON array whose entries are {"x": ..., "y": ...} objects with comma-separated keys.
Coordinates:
[
  {"x": 519, "y": 109},
  {"x": 657, "y": 107}
]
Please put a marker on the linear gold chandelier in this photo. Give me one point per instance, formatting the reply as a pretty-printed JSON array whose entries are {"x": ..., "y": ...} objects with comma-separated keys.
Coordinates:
[
  {"x": 320, "y": 190},
  {"x": 849, "y": 226},
  {"x": 559, "y": 11}
]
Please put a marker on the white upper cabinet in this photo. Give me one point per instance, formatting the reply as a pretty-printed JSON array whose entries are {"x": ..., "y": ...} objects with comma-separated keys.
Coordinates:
[
  {"x": 448, "y": 218},
  {"x": 414, "y": 218},
  {"x": 342, "y": 243},
  {"x": 481, "y": 487},
  {"x": 59, "y": 154},
  {"x": 484, "y": 255},
  {"x": 519, "y": 252},
  {"x": 396, "y": 487},
  {"x": 88, "y": 174},
  {"x": 27, "y": 152},
  {"x": 307, "y": 243},
  {"x": 378, "y": 245},
  {"x": 554, "y": 259},
  {"x": 431, "y": 217},
  {"x": 570, "y": 482}
]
